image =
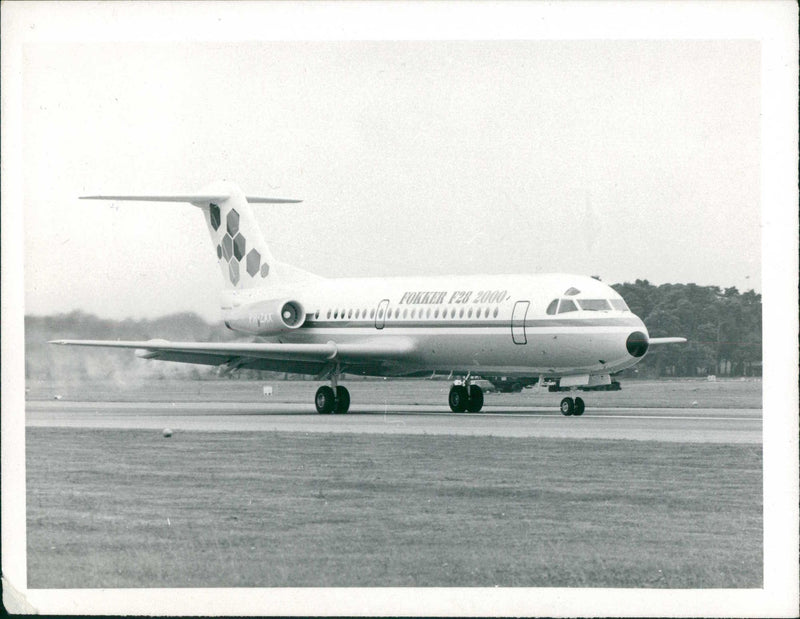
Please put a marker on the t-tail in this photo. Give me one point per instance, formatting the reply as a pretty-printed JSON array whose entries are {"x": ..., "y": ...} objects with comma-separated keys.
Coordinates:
[{"x": 244, "y": 258}]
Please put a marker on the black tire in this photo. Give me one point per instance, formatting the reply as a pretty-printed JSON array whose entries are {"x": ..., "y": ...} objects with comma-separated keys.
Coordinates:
[
  {"x": 475, "y": 400},
  {"x": 342, "y": 400},
  {"x": 567, "y": 407},
  {"x": 325, "y": 400},
  {"x": 580, "y": 406},
  {"x": 458, "y": 399}
]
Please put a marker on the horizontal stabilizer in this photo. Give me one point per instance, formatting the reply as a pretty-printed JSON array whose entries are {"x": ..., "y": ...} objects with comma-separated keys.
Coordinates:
[
  {"x": 193, "y": 199},
  {"x": 666, "y": 340},
  {"x": 184, "y": 198},
  {"x": 260, "y": 200}
]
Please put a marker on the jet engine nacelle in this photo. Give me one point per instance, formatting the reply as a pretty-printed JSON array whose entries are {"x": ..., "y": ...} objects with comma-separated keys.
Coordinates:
[{"x": 268, "y": 317}]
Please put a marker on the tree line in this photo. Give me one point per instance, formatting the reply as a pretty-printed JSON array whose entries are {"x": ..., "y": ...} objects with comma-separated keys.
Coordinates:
[{"x": 723, "y": 327}]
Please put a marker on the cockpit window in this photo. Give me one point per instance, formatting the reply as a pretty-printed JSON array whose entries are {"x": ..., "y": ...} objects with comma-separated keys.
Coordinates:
[
  {"x": 551, "y": 309},
  {"x": 571, "y": 292},
  {"x": 567, "y": 305},
  {"x": 594, "y": 305},
  {"x": 619, "y": 305}
]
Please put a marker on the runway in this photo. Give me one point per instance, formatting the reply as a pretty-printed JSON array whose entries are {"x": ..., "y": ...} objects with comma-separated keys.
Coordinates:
[{"x": 693, "y": 425}]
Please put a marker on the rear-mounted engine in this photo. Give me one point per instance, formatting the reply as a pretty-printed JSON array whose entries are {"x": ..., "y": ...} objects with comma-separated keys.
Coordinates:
[{"x": 268, "y": 317}]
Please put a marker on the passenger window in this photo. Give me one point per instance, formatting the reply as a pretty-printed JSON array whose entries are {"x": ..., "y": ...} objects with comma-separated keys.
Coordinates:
[
  {"x": 349, "y": 313},
  {"x": 495, "y": 312},
  {"x": 358, "y": 313},
  {"x": 336, "y": 314},
  {"x": 372, "y": 313},
  {"x": 469, "y": 313},
  {"x": 329, "y": 313},
  {"x": 436, "y": 313},
  {"x": 316, "y": 314},
  {"x": 567, "y": 305},
  {"x": 380, "y": 314},
  {"x": 461, "y": 313},
  {"x": 551, "y": 309}
]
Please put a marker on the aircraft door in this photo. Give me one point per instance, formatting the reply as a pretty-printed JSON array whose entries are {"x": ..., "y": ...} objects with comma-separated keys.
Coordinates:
[
  {"x": 380, "y": 315},
  {"x": 518, "y": 322}
]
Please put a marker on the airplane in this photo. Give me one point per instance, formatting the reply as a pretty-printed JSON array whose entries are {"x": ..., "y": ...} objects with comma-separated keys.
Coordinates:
[{"x": 562, "y": 331}]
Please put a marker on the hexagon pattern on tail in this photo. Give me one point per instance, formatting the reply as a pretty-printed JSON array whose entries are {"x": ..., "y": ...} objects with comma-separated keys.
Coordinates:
[{"x": 241, "y": 250}]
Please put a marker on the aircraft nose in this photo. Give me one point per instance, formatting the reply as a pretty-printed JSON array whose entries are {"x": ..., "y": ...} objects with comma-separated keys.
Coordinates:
[{"x": 637, "y": 343}]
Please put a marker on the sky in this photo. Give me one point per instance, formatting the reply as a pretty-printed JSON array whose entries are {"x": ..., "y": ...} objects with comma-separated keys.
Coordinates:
[{"x": 624, "y": 159}]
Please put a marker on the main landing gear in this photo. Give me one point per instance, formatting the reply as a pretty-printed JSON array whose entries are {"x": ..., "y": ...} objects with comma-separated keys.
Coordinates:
[
  {"x": 329, "y": 401},
  {"x": 467, "y": 397},
  {"x": 572, "y": 407},
  {"x": 333, "y": 399}
]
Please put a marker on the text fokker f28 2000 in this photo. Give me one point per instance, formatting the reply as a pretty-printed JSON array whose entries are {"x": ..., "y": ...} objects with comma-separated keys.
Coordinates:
[{"x": 564, "y": 331}]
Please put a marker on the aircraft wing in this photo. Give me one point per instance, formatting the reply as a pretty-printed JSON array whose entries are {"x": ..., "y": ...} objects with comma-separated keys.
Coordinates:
[
  {"x": 259, "y": 355},
  {"x": 654, "y": 341}
]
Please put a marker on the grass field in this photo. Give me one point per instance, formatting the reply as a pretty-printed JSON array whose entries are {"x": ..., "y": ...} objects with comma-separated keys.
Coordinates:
[
  {"x": 125, "y": 508},
  {"x": 679, "y": 393}
]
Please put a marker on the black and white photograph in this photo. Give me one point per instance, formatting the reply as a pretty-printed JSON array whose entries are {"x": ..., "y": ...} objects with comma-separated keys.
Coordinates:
[{"x": 400, "y": 309}]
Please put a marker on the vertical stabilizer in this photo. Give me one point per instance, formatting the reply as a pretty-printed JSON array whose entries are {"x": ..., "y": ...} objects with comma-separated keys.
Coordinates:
[{"x": 242, "y": 252}]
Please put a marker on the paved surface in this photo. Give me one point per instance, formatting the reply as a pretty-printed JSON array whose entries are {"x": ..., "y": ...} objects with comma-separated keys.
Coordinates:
[{"x": 656, "y": 424}]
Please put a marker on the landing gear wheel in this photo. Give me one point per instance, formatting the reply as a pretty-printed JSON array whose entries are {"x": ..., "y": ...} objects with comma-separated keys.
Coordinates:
[
  {"x": 475, "y": 398},
  {"x": 567, "y": 406},
  {"x": 342, "y": 400},
  {"x": 579, "y": 407},
  {"x": 325, "y": 400},
  {"x": 458, "y": 399}
]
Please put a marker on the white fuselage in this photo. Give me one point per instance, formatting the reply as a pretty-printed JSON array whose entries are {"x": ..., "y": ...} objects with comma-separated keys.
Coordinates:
[{"x": 485, "y": 324}]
